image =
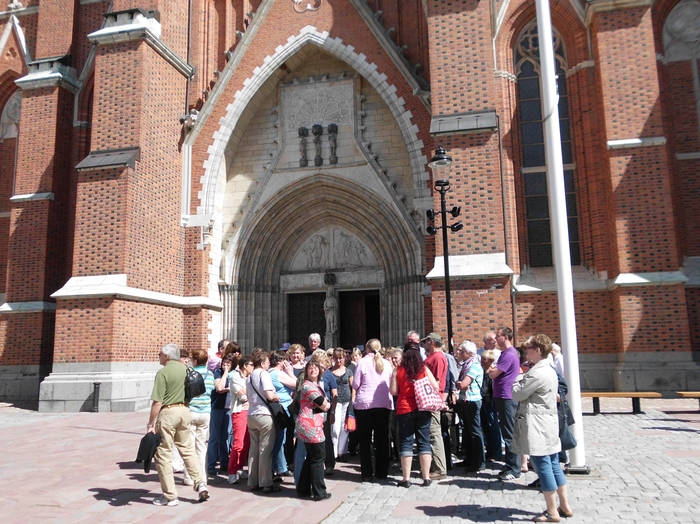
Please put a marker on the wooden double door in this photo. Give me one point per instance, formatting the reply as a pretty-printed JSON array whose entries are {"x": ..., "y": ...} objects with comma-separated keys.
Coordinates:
[{"x": 358, "y": 315}]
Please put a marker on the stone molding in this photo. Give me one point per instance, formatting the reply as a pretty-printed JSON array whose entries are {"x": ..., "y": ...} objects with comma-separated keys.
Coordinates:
[
  {"x": 115, "y": 286},
  {"x": 601, "y": 6},
  {"x": 636, "y": 142},
  {"x": 137, "y": 24},
  {"x": 345, "y": 279},
  {"x": 581, "y": 65},
  {"x": 13, "y": 24},
  {"x": 543, "y": 280},
  {"x": 688, "y": 156},
  {"x": 32, "y": 197},
  {"x": 24, "y": 11},
  {"x": 660, "y": 278},
  {"x": 471, "y": 266},
  {"x": 49, "y": 72},
  {"x": 26, "y": 307},
  {"x": 333, "y": 46},
  {"x": 411, "y": 72},
  {"x": 124, "y": 386}
]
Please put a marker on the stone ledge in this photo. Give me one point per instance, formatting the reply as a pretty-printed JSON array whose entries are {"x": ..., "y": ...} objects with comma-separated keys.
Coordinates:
[
  {"x": 471, "y": 266},
  {"x": 115, "y": 286},
  {"x": 32, "y": 197},
  {"x": 636, "y": 142},
  {"x": 26, "y": 307}
]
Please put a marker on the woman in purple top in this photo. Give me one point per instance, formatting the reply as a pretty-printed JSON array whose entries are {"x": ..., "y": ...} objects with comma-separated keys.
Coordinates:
[{"x": 373, "y": 405}]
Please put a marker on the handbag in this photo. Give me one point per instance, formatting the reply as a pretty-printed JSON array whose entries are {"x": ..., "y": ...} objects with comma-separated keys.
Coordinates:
[
  {"x": 427, "y": 397},
  {"x": 568, "y": 441},
  {"x": 280, "y": 418},
  {"x": 350, "y": 422}
]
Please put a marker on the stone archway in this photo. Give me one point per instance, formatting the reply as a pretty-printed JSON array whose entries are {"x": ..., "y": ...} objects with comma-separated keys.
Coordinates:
[{"x": 265, "y": 269}]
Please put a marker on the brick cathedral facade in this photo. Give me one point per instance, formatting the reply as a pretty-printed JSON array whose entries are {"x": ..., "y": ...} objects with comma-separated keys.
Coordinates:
[{"x": 190, "y": 170}]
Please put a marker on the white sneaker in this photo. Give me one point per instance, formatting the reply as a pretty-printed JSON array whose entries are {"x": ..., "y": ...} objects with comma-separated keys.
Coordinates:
[
  {"x": 188, "y": 482},
  {"x": 203, "y": 491},
  {"x": 243, "y": 474},
  {"x": 162, "y": 501}
]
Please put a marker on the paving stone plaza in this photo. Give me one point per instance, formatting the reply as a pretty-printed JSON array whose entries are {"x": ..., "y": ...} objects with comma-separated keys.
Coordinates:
[{"x": 79, "y": 467}]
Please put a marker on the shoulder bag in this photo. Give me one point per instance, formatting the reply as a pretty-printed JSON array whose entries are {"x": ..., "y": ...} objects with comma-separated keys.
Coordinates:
[
  {"x": 280, "y": 418},
  {"x": 427, "y": 397}
]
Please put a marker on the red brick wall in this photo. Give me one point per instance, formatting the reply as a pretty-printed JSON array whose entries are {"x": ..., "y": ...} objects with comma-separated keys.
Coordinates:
[
  {"x": 476, "y": 308},
  {"x": 108, "y": 330},
  {"x": 27, "y": 339},
  {"x": 652, "y": 318},
  {"x": 596, "y": 330},
  {"x": 56, "y": 19}
]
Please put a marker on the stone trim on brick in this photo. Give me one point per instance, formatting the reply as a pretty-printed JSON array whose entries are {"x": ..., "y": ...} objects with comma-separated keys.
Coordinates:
[
  {"x": 13, "y": 23},
  {"x": 688, "y": 156},
  {"x": 660, "y": 278},
  {"x": 137, "y": 24},
  {"x": 25, "y": 11},
  {"x": 32, "y": 197},
  {"x": 116, "y": 286},
  {"x": 49, "y": 72},
  {"x": 26, "y": 307},
  {"x": 471, "y": 266},
  {"x": 335, "y": 47},
  {"x": 601, "y": 6},
  {"x": 636, "y": 142}
]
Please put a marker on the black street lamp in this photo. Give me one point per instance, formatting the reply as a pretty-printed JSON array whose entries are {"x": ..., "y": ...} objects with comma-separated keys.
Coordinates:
[{"x": 440, "y": 164}]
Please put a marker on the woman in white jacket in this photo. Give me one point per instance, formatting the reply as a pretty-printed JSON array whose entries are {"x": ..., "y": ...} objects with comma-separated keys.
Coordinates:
[{"x": 537, "y": 426}]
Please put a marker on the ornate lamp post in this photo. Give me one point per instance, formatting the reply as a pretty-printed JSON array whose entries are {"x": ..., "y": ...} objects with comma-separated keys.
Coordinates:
[{"x": 440, "y": 165}]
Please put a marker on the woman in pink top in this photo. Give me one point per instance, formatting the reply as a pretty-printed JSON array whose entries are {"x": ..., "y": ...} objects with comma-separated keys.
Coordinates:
[{"x": 373, "y": 405}]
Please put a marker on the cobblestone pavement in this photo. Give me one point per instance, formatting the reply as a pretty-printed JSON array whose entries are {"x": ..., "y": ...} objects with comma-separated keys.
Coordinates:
[
  {"x": 644, "y": 468},
  {"x": 78, "y": 467}
]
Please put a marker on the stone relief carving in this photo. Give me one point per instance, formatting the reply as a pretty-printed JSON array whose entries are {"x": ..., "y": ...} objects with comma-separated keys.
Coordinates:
[
  {"x": 316, "y": 252},
  {"x": 318, "y": 105},
  {"x": 349, "y": 252},
  {"x": 348, "y": 279},
  {"x": 333, "y": 248},
  {"x": 9, "y": 121},
  {"x": 303, "y": 133}
]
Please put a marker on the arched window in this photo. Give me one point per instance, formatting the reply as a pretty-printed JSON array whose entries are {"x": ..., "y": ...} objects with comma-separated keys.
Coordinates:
[
  {"x": 9, "y": 121},
  {"x": 533, "y": 167}
]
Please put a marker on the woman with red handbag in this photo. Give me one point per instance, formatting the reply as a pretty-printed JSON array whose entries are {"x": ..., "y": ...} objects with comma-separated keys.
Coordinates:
[{"x": 412, "y": 421}]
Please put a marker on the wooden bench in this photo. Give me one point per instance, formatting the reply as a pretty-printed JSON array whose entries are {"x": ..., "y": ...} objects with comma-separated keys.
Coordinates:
[
  {"x": 634, "y": 395},
  {"x": 689, "y": 394}
]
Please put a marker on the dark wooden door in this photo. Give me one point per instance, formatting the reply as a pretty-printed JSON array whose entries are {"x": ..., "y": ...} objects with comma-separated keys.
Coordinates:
[
  {"x": 359, "y": 317},
  {"x": 305, "y": 317}
]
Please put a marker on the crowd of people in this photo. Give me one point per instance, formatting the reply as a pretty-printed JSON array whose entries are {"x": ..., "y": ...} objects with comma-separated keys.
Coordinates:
[{"x": 270, "y": 415}]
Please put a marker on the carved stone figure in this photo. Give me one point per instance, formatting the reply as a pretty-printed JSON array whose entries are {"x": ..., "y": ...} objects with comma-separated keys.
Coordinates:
[
  {"x": 349, "y": 252},
  {"x": 316, "y": 251},
  {"x": 333, "y": 139},
  {"x": 303, "y": 133},
  {"x": 317, "y": 130},
  {"x": 330, "y": 308}
]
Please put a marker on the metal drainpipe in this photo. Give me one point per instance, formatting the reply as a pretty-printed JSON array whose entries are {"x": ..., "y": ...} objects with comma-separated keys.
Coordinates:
[
  {"x": 505, "y": 221},
  {"x": 189, "y": 52}
]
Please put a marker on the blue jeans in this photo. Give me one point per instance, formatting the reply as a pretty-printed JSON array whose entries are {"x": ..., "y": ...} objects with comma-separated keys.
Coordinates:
[
  {"x": 415, "y": 423},
  {"x": 299, "y": 458},
  {"x": 506, "y": 418},
  {"x": 217, "y": 450},
  {"x": 279, "y": 462},
  {"x": 549, "y": 471},
  {"x": 491, "y": 430}
]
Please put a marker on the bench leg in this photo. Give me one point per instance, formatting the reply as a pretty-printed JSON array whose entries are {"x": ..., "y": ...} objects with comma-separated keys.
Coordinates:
[
  {"x": 637, "y": 406},
  {"x": 596, "y": 406}
]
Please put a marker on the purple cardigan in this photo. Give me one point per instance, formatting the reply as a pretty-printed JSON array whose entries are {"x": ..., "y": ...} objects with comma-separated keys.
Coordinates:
[{"x": 372, "y": 388}]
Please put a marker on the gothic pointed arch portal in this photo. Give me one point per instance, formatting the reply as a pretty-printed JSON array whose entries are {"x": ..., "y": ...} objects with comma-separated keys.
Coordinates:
[{"x": 323, "y": 224}]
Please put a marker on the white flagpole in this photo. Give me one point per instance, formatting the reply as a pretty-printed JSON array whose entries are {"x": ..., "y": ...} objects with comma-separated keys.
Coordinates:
[{"x": 559, "y": 228}]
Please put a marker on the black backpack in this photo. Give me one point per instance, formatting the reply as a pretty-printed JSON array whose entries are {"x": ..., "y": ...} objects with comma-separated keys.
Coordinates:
[{"x": 194, "y": 384}]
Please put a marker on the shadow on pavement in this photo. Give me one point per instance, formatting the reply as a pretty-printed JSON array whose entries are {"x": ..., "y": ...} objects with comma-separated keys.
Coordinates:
[
  {"x": 666, "y": 428},
  {"x": 123, "y": 497},
  {"x": 468, "y": 511}
]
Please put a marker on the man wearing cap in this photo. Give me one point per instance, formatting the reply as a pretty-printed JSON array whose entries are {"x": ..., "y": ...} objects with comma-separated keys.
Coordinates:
[
  {"x": 437, "y": 364},
  {"x": 173, "y": 424}
]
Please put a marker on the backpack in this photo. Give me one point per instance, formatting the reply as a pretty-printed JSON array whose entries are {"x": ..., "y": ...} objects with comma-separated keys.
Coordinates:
[{"x": 194, "y": 384}]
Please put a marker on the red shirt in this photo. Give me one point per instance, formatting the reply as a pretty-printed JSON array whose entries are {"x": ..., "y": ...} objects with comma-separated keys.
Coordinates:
[
  {"x": 406, "y": 399},
  {"x": 437, "y": 363}
]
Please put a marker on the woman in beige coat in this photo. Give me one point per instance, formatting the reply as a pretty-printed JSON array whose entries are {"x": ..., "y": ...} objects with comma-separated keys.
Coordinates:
[{"x": 537, "y": 426}]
